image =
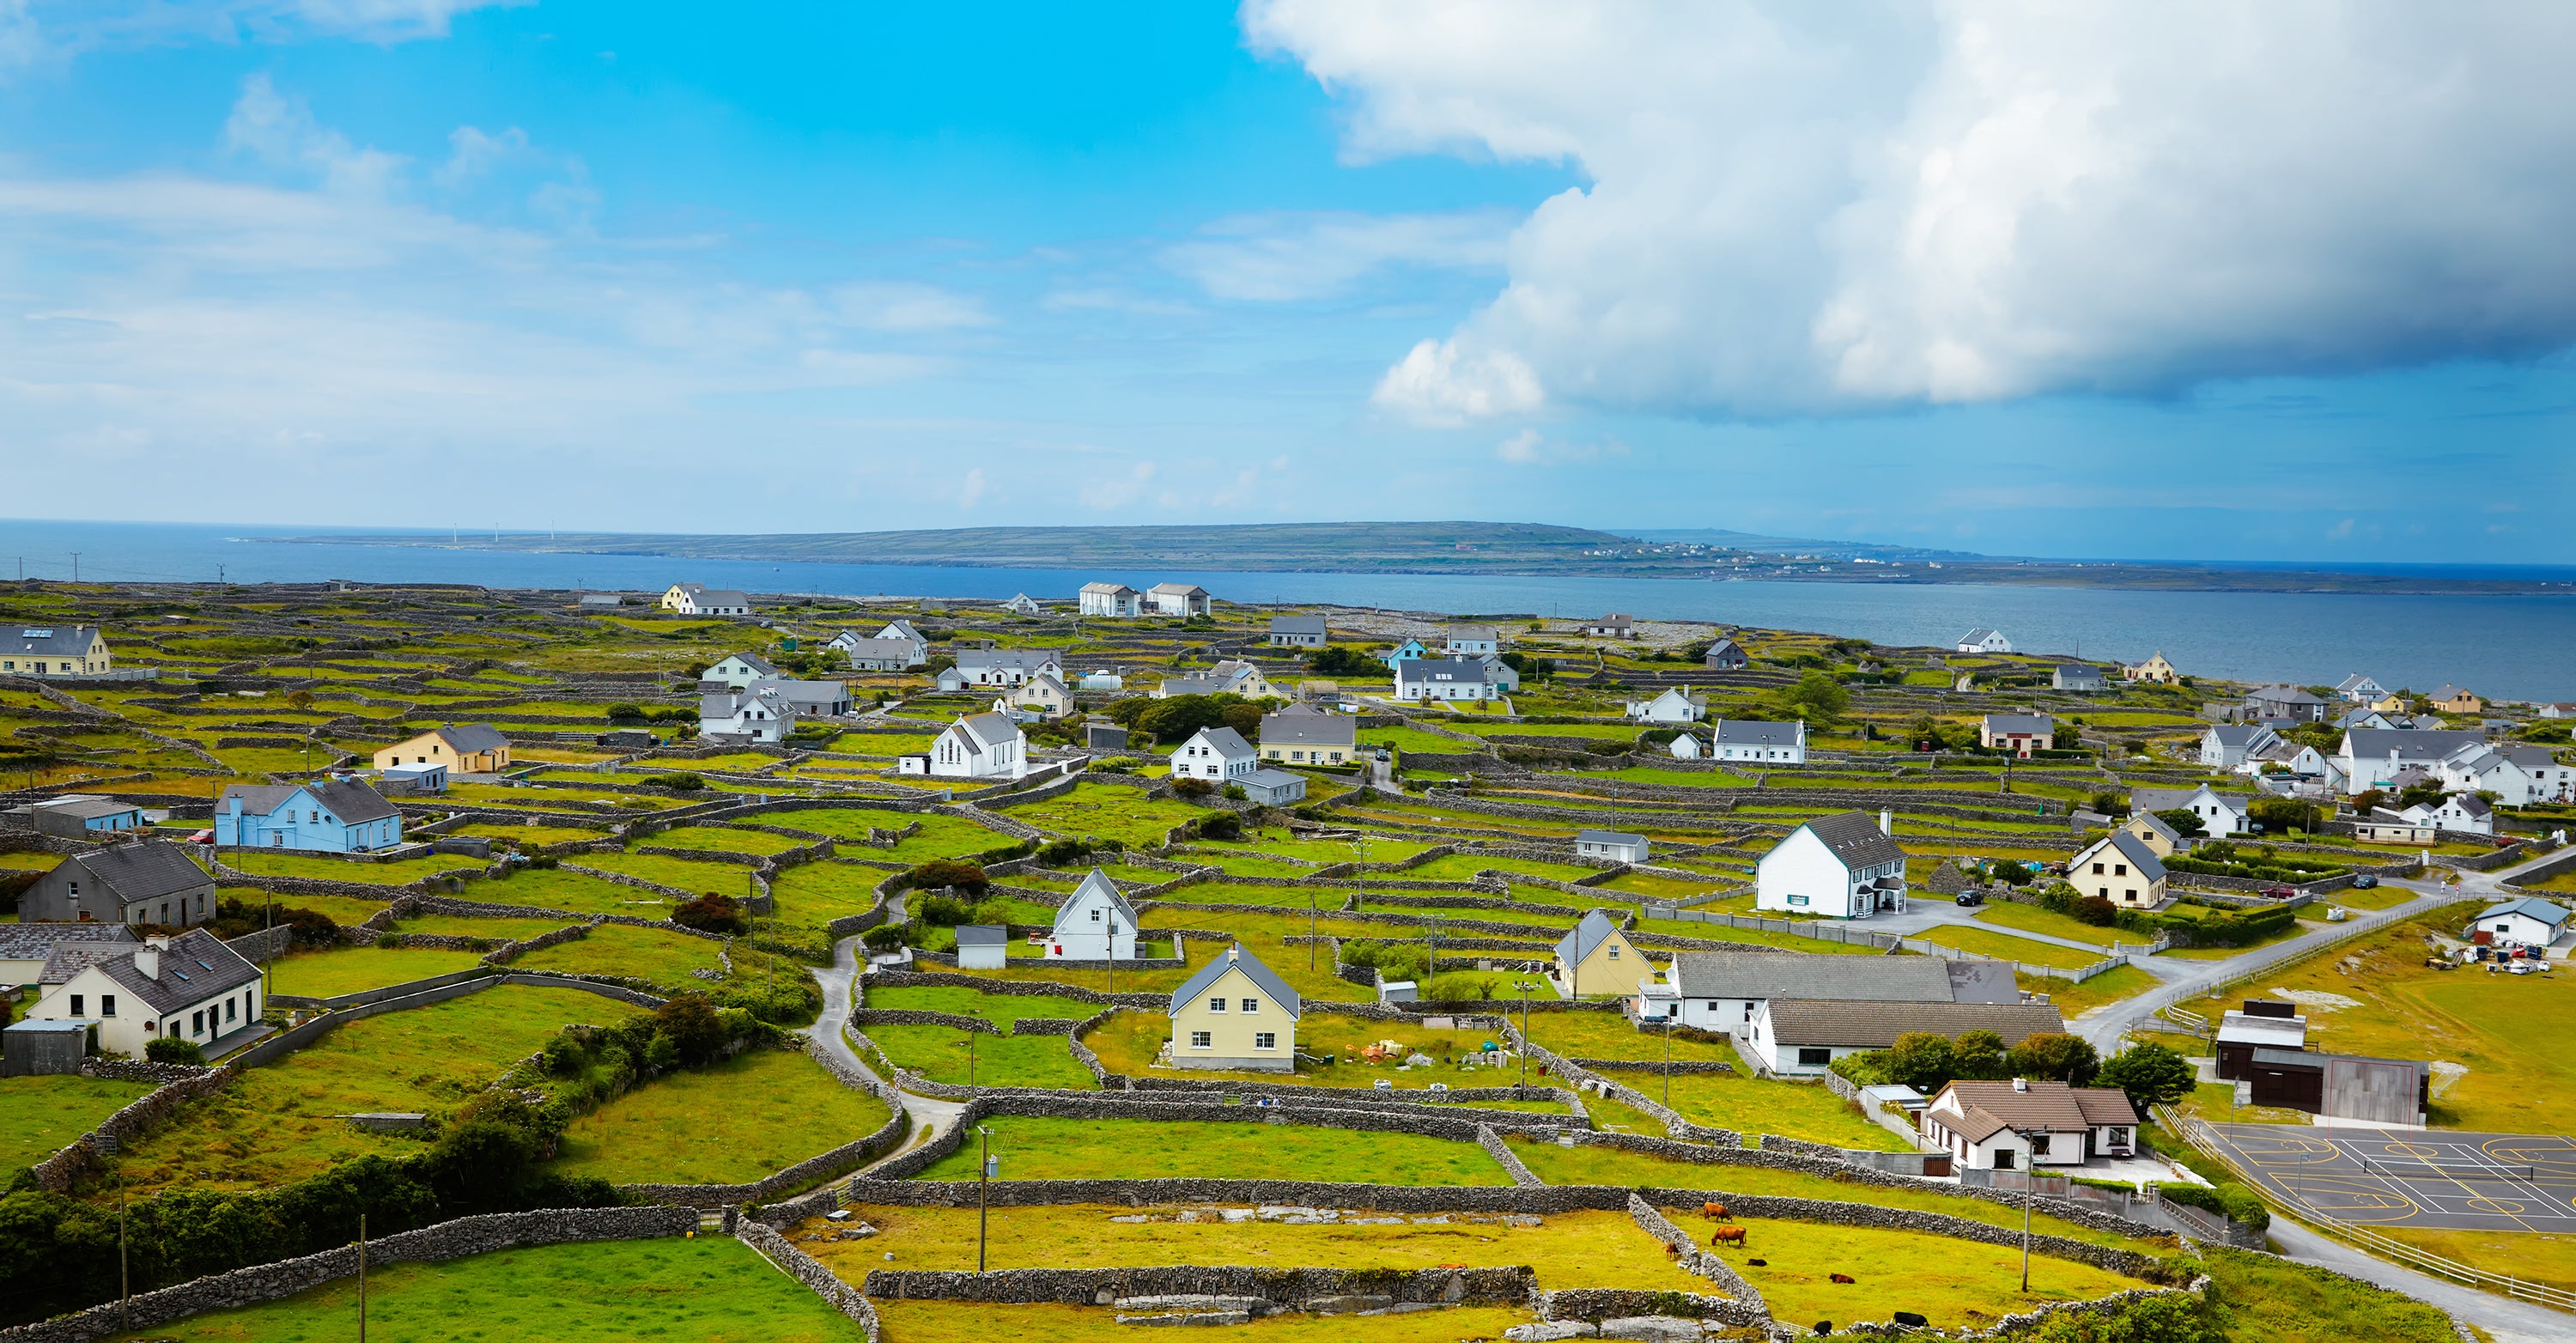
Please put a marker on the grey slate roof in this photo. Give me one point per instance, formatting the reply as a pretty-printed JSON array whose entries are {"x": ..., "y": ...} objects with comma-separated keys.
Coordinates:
[
  {"x": 1854, "y": 837},
  {"x": 1225, "y": 741},
  {"x": 982, "y": 935},
  {"x": 756, "y": 662},
  {"x": 472, "y": 738},
  {"x": 1588, "y": 934},
  {"x": 351, "y": 802},
  {"x": 1811, "y": 975},
  {"x": 877, "y": 650},
  {"x": 1875, "y": 1025},
  {"x": 1755, "y": 732},
  {"x": 27, "y": 941},
  {"x": 145, "y": 871},
  {"x": 2237, "y": 735},
  {"x": 1098, "y": 883},
  {"x": 89, "y": 808},
  {"x": 2530, "y": 906},
  {"x": 1236, "y": 958},
  {"x": 2135, "y": 850},
  {"x": 2167, "y": 799},
  {"x": 987, "y": 729},
  {"x": 2374, "y": 743},
  {"x": 722, "y": 597},
  {"x": 66, "y": 640},
  {"x": 2021, "y": 722},
  {"x": 195, "y": 966},
  {"x": 1475, "y": 634},
  {"x": 1428, "y": 669},
  {"x": 1310, "y": 728},
  {"x": 71, "y": 958},
  {"x": 1297, "y": 625},
  {"x": 1607, "y": 837}
]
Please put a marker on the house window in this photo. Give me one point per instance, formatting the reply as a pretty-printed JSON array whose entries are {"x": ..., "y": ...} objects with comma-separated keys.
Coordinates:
[
  {"x": 1095, "y": 916},
  {"x": 2039, "y": 1144},
  {"x": 107, "y": 1007},
  {"x": 1814, "y": 1058},
  {"x": 1264, "y": 1040},
  {"x": 232, "y": 1009},
  {"x": 76, "y": 1004},
  {"x": 1614, "y": 953},
  {"x": 1201, "y": 1040},
  {"x": 2097, "y": 869},
  {"x": 197, "y": 1023},
  {"x": 1251, "y": 1005},
  {"x": 1797, "y": 899},
  {"x": 2119, "y": 869},
  {"x": 2004, "y": 1159},
  {"x": 1216, "y": 1004}
]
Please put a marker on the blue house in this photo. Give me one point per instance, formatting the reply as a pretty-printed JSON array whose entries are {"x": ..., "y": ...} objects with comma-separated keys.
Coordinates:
[
  {"x": 330, "y": 817},
  {"x": 1406, "y": 652}
]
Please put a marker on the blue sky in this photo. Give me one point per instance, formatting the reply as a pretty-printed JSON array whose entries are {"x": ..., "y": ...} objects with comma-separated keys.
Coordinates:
[{"x": 2288, "y": 284}]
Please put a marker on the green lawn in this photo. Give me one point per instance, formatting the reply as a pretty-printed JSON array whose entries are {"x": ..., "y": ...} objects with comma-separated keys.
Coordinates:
[
  {"x": 2110, "y": 986},
  {"x": 940, "y": 1053},
  {"x": 1417, "y": 740},
  {"x": 345, "y": 910},
  {"x": 499, "y": 930},
  {"x": 532, "y": 836},
  {"x": 760, "y": 842},
  {"x": 687, "y": 874},
  {"x": 1107, "y": 811},
  {"x": 1464, "y": 867},
  {"x": 2006, "y": 947},
  {"x": 328, "y": 974},
  {"x": 713, "y": 1289},
  {"x": 1133, "y": 1149},
  {"x": 1128, "y": 1042},
  {"x": 1677, "y": 778},
  {"x": 267, "y": 863},
  {"x": 732, "y": 1122},
  {"x": 1607, "y": 1035},
  {"x": 1597, "y": 731},
  {"x": 41, "y": 1115},
  {"x": 579, "y": 893},
  {"x": 276, "y": 1123},
  {"x": 999, "y": 1008},
  {"x": 650, "y": 954},
  {"x": 1750, "y": 1105},
  {"x": 2033, "y": 919},
  {"x": 849, "y": 824},
  {"x": 810, "y": 895}
]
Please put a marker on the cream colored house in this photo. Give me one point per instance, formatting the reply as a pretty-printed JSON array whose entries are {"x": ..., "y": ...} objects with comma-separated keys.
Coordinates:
[
  {"x": 2452, "y": 699},
  {"x": 1043, "y": 693},
  {"x": 2153, "y": 671},
  {"x": 2120, "y": 868},
  {"x": 465, "y": 748},
  {"x": 2159, "y": 837},
  {"x": 53, "y": 650},
  {"x": 1597, "y": 958},
  {"x": 1236, "y": 1014}
]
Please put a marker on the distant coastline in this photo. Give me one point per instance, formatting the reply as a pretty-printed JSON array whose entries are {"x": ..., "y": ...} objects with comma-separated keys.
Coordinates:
[{"x": 1484, "y": 550}]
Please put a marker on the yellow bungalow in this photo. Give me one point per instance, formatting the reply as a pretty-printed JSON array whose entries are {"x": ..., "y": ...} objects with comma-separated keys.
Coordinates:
[
  {"x": 2153, "y": 671},
  {"x": 2452, "y": 699},
  {"x": 2159, "y": 837},
  {"x": 1596, "y": 958},
  {"x": 465, "y": 748},
  {"x": 1237, "y": 1015}
]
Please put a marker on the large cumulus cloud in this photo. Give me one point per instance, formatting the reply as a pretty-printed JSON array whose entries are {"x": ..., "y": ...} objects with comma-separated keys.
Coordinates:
[{"x": 1794, "y": 208}]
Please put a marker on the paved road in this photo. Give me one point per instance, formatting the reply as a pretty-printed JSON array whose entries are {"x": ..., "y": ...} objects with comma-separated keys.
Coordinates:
[
  {"x": 2508, "y": 1320},
  {"x": 930, "y": 1115}
]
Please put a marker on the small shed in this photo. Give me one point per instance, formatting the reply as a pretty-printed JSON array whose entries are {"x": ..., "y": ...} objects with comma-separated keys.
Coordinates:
[
  {"x": 1399, "y": 991},
  {"x": 1104, "y": 737},
  {"x": 982, "y": 946},
  {"x": 415, "y": 779},
  {"x": 39, "y": 1048}
]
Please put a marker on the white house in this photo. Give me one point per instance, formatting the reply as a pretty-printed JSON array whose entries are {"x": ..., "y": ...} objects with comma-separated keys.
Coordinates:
[
  {"x": 2120, "y": 868},
  {"x": 1000, "y": 667},
  {"x": 2220, "y": 814},
  {"x": 2019, "y": 733},
  {"x": 1217, "y": 754},
  {"x": 2027, "y": 1123},
  {"x": 901, "y": 628},
  {"x": 2361, "y": 689},
  {"x": 1043, "y": 693},
  {"x": 1799, "y": 1037},
  {"x": 880, "y": 653},
  {"x": 976, "y": 746},
  {"x": 1675, "y": 705},
  {"x": 189, "y": 986},
  {"x": 54, "y": 650},
  {"x": 1446, "y": 678},
  {"x": 693, "y": 599},
  {"x": 2230, "y": 745},
  {"x": 1719, "y": 990},
  {"x": 763, "y": 714},
  {"x": 739, "y": 670},
  {"x": 1115, "y": 600},
  {"x": 2464, "y": 812},
  {"x": 1840, "y": 867},
  {"x": 680, "y": 594},
  {"x": 1616, "y": 625},
  {"x": 1305, "y": 735},
  {"x": 1610, "y": 846},
  {"x": 1754, "y": 739},
  {"x": 983, "y": 946},
  {"x": 1022, "y": 604},
  {"x": 1298, "y": 632},
  {"x": 2372, "y": 758},
  {"x": 1232, "y": 676},
  {"x": 1983, "y": 640},
  {"x": 1179, "y": 599},
  {"x": 1472, "y": 640},
  {"x": 1095, "y": 923},
  {"x": 1687, "y": 747},
  {"x": 2080, "y": 678},
  {"x": 2517, "y": 775},
  {"x": 809, "y": 699},
  {"x": 2531, "y": 921}
]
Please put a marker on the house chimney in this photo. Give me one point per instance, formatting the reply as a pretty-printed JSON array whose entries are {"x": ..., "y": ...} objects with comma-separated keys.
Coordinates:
[
  {"x": 2021, "y": 1084},
  {"x": 147, "y": 958},
  {"x": 1886, "y": 822},
  {"x": 1233, "y": 952}
]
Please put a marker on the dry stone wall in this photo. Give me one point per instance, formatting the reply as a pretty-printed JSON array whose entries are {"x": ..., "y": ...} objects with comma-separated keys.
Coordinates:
[
  {"x": 805, "y": 1268},
  {"x": 1282, "y": 1287}
]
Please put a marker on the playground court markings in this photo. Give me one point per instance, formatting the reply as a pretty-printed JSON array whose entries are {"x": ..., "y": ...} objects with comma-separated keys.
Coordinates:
[{"x": 2415, "y": 1177}]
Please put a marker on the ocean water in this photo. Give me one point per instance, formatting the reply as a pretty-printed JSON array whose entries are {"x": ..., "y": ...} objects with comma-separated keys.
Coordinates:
[{"x": 2520, "y": 647}]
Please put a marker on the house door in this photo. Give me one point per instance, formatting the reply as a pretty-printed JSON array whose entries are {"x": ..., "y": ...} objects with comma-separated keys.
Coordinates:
[{"x": 2004, "y": 1159}]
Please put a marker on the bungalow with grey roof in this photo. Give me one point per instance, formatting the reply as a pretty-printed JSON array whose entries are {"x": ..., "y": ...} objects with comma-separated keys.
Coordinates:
[
  {"x": 1797, "y": 1037},
  {"x": 2286, "y": 701},
  {"x": 1756, "y": 740},
  {"x": 81, "y": 817},
  {"x": 2019, "y": 733},
  {"x": 2080, "y": 678},
  {"x": 326, "y": 815},
  {"x": 1611, "y": 846},
  {"x": 189, "y": 986},
  {"x": 144, "y": 882},
  {"x": 1298, "y": 632},
  {"x": 2529, "y": 920},
  {"x": 2220, "y": 814},
  {"x": 1983, "y": 640}
]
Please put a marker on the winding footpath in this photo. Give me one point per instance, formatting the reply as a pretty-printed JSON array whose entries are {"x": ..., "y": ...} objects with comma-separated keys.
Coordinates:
[{"x": 930, "y": 1116}]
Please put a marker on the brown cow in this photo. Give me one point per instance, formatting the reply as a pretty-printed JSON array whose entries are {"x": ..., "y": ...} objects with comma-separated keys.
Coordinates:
[
  {"x": 1715, "y": 1212},
  {"x": 1728, "y": 1235},
  {"x": 1673, "y": 1250},
  {"x": 1844, "y": 1277}
]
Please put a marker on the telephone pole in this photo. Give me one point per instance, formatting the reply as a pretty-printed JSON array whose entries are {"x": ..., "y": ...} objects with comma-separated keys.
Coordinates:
[{"x": 75, "y": 566}]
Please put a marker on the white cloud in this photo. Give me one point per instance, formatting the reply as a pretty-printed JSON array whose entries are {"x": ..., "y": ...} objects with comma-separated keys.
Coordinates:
[
  {"x": 1529, "y": 447},
  {"x": 1286, "y": 256},
  {"x": 34, "y": 32},
  {"x": 1103, "y": 493},
  {"x": 281, "y": 130},
  {"x": 1794, "y": 207},
  {"x": 907, "y": 307},
  {"x": 973, "y": 489},
  {"x": 1436, "y": 385}
]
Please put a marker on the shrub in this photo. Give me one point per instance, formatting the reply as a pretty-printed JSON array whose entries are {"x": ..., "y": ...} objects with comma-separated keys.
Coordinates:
[
  {"x": 2011, "y": 873},
  {"x": 944, "y": 873},
  {"x": 1225, "y": 825},
  {"x": 682, "y": 782},
  {"x": 713, "y": 912},
  {"x": 172, "y": 1049},
  {"x": 1193, "y": 788},
  {"x": 2232, "y": 1201},
  {"x": 2097, "y": 910},
  {"x": 1060, "y": 852},
  {"x": 883, "y": 937},
  {"x": 1234, "y": 793},
  {"x": 690, "y": 1023},
  {"x": 388, "y": 941},
  {"x": 2151, "y": 1074},
  {"x": 1458, "y": 987}
]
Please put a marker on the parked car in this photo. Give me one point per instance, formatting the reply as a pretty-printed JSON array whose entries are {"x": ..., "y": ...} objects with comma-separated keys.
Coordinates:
[
  {"x": 2277, "y": 892},
  {"x": 2364, "y": 882},
  {"x": 1972, "y": 897}
]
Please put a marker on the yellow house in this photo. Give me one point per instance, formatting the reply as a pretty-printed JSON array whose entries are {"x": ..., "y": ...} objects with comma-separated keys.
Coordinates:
[
  {"x": 2154, "y": 671},
  {"x": 465, "y": 748},
  {"x": 2389, "y": 703},
  {"x": 2452, "y": 699},
  {"x": 2159, "y": 837},
  {"x": 2120, "y": 868},
  {"x": 1597, "y": 958},
  {"x": 1043, "y": 693},
  {"x": 54, "y": 650},
  {"x": 1237, "y": 1015}
]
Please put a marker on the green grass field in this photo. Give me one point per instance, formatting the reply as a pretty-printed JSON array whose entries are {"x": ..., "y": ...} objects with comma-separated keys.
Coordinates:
[
  {"x": 458, "y": 925},
  {"x": 1099, "y": 1149},
  {"x": 532, "y": 836},
  {"x": 328, "y": 974},
  {"x": 2006, "y": 947},
  {"x": 275, "y": 1123},
  {"x": 40, "y": 1115},
  {"x": 1749, "y": 1105},
  {"x": 713, "y": 1289},
  {"x": 940, "y": 1053},
  {"x": 2033, "y": 919},
  {"x": 976, "y": 1322},
  {"x": 1128, "y": 1042},
  {"x": 721, "y": 840},
  {"x": 1107, "y": 811},
  {"x": 729, "y": 1123},
  {"x": 580, "y": 893},
  {"x": 2110, "y": 986},
  {"x": 999, "y": 1008},
  {"x": 267, "y": 863},
  {"x": 651, "y": 954},
  {"x": 1607, "y": 1035},
  {"x": 732, "y": 879}
]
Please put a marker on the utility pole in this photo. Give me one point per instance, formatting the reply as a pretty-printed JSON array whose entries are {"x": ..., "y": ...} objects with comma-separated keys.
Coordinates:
[
  {"x": 124, "y": 1282},
  {"x": 983, "y": 1202},
  {"x": 75, "y": 566},
  {"x": 1668, "y": 1050},
  {"x": 362, "y": 1278},
  {"x": 2029, "y": 1187},
  {"x": 1523, "y": 986}
]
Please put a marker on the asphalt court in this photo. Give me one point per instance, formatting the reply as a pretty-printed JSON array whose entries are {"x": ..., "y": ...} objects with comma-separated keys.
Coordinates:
[{"x": 2415, "y": 1177}]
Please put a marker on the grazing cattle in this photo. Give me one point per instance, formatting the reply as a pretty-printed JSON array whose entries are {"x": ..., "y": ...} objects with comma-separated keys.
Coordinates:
[
  {"x": 1757, "y": 1263},
  {"x": 1671, "y": 1249},
  {"x": 1715, "y": 1212},
  {"x": 1728, "y": 1235},
  {"x": 1844, "y": 1277}
]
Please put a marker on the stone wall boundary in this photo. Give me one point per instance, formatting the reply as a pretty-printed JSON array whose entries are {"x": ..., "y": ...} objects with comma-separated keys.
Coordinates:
[
  {"x": 1694, "y": 1258},
  {"x": 805, "y": 1268},
  {"x": 430, "y": 1244},
  {"x": 1285, "y": 1287},
  {"x": 1504, "y": 1157}
]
